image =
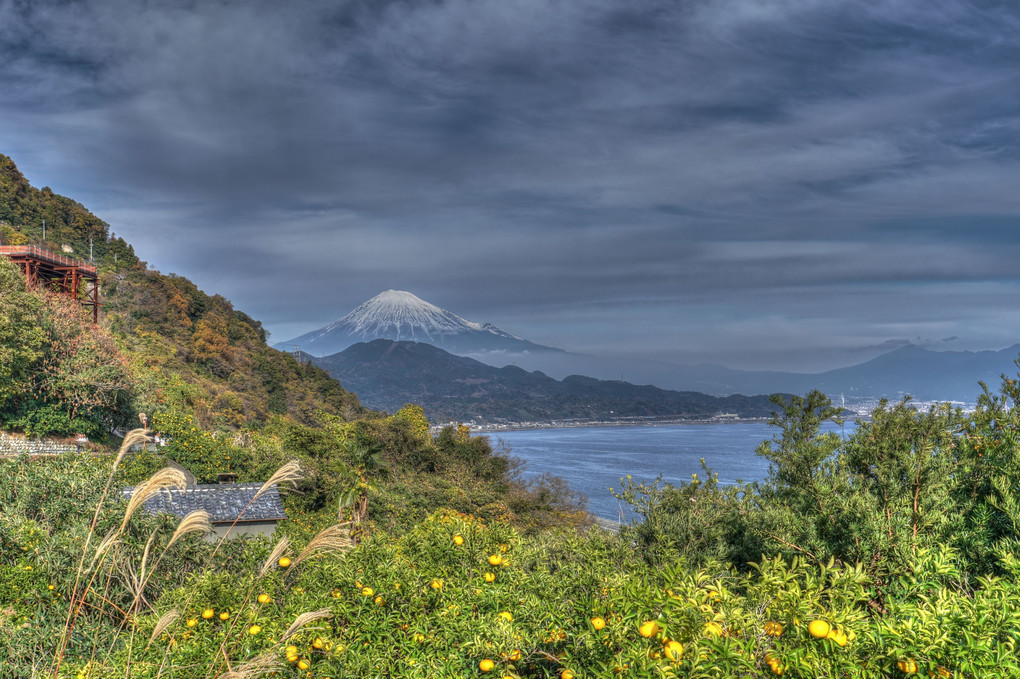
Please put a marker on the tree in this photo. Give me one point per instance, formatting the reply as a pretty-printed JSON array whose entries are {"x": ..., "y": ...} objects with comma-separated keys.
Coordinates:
[
  {"x": 22, "y": 339},
  {"x": 366, "y": 463}
]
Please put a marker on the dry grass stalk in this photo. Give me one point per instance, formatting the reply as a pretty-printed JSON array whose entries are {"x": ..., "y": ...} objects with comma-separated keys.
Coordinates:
[
  {"x": 290, "y": 473},
  {"x": 134, "y": 437},
  {"x": 195, "y": 522},
  {"x": 274, "y": 556},
  {"x": 140, "y": 583},
  {"x": 111, "y": 539},
  {"x": 167, "y": 477},
  {"x": 165, "y": 621},
  {"x": 333, "y": 539},
  {"x": 305, "y": 619},
  {"x": 256, "y": 667}
]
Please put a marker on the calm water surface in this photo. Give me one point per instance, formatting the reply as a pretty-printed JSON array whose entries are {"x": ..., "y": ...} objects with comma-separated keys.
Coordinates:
[{"x": 593, "y": 459}]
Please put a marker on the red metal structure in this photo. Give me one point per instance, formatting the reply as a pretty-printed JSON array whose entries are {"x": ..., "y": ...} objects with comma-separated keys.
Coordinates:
[{"x": 57, "y": 273}]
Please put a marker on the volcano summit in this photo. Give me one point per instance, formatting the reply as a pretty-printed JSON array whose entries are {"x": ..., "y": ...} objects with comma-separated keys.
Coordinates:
[{"x": 401, "y": 316}]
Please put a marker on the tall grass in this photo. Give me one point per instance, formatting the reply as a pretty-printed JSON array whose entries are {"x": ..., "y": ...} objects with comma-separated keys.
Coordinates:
[{"x": 108, "y": 559}]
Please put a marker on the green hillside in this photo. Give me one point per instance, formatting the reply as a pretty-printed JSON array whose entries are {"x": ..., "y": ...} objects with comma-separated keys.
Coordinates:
[
  {"x": 172, "y": 343},
  {"x": 388, "y": 374}
]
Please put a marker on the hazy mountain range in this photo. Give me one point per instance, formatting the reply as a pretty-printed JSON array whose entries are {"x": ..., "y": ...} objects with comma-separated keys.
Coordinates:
[
  {"x": 387, "y": 374},
  {"x": 400, "y": 316}
]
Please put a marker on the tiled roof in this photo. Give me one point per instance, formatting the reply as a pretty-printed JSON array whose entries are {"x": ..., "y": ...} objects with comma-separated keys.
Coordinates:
[{"x": 224, "y": 502}]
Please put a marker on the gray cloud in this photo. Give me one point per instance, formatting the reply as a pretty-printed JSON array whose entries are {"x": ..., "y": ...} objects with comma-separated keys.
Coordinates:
[{"x": 742, "y": 182}]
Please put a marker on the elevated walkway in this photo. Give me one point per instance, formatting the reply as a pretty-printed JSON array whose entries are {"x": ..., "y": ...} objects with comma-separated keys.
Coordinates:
[{"x": 57, "y": 274}]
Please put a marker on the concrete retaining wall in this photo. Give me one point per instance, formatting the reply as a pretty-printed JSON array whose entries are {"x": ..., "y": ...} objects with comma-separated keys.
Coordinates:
[{"x": 17, "y": 445}]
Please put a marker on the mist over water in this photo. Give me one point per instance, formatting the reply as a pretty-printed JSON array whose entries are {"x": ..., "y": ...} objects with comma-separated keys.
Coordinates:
[{"x": 594, "y": 459}]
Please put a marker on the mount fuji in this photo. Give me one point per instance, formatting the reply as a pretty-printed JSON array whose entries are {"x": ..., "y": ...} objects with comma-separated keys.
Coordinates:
[{"x": 401, "y": 316}]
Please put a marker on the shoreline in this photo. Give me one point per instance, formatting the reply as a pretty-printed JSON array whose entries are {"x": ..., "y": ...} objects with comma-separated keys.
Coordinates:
[{"x": 584, "y": 424}]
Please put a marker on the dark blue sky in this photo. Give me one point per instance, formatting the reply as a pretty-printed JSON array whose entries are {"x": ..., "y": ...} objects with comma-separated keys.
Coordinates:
[{"x": 777, "y": 183}]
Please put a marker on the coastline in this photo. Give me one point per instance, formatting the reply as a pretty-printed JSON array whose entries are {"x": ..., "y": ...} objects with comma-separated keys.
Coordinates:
[{"x": 623, "y": 422}]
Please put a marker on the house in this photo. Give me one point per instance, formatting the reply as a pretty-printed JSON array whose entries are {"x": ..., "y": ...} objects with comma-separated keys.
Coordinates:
[{"x": 228, "y": 504}]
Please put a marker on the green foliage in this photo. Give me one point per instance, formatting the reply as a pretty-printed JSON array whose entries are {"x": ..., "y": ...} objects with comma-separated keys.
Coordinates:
[
  {"x": 59, "y": 373},
  {"x": 200, "y": 452},
  {"x": 22, "y": 339},
  {"x": 23, "y": 209},
  {"x": 696, "y": 520}
]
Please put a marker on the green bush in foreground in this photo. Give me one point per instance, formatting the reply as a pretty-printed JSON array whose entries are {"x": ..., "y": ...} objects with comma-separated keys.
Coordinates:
[
  {"x": 440, "y": 600},
  {"x": 889, "y": 553}
]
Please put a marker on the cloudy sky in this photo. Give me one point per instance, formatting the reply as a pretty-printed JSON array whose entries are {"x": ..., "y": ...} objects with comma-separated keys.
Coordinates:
[{"x": 762, "y": 183}]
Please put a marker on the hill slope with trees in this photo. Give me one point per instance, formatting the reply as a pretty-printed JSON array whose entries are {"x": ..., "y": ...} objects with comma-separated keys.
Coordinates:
[
  {"x": 387, "y": 374},
  {"x": 174, "y": 344}
]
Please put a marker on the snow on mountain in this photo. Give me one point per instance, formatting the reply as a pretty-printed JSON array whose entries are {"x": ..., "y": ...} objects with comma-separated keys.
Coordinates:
[{"x": 399, "y": 315}]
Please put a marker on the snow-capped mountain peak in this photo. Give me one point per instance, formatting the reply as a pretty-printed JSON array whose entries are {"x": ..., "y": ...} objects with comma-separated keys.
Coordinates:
[{"x": 400, "y": 315}]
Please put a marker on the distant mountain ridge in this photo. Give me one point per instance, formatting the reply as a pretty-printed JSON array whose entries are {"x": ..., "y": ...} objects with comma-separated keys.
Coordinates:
[
  {"x": 387, "y": 374},
  {"x": 401, "y": 316},
  {"x": 910, "y": 370}
]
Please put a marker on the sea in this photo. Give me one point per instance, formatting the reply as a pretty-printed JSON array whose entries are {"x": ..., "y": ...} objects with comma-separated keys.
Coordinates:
[{"x": 594, "y": 459}]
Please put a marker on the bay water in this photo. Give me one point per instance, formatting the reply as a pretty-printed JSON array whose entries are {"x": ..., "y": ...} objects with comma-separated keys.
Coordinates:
[{"x": 594, "y": 459}]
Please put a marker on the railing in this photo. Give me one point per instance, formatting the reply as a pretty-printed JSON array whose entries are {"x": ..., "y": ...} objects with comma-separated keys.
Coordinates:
[{"x": 46, "y": 256}]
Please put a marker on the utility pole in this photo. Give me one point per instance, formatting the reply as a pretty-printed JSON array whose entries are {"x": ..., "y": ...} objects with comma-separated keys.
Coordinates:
[{"x": 90, "y": 248}]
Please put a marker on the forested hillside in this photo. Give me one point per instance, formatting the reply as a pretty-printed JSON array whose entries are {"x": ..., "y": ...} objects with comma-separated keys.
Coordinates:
[
  {"x": 161, "y": 342},
  {"x": 387, "y": 374}
]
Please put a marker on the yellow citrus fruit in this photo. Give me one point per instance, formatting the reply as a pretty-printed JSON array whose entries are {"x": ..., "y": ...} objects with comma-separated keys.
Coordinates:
[
  {"x": 713, "y": 629},
  {"x": 515, "y": 655},
  {"x": 208, "y": 613},
  {"x": 838, "y": 636},
  {"x": 495, "y": 560},
  {"x": 486, "y": 665},
  {"x": 379, "y": 601},
  {"x": 291, "y": 650},
  {"x": 458, "y": 539},
  {"x": 224, "y": 616},
  {"x": 436, "y": 584},
  {"x": 505, "y": 615},
  {"x": 284, "y": 561},
  {"x": 303, "y": 664},
  {"x": 254, "y": 629},
  {"x": 489, "y": 577},
  {"x": 598, "y": 623},
  {"x": 318, "y": 643},
  {"x": 773, "y": 629},
  {"x": 940, "y": 672},
  {"x": 907, "y": 666},
  {"x": 192, "y": 622},
  {"x": 566, "y": 674},
  {"x": 367, "y": 591},
  {"x": 265, "y": 598},
  {"x": 649, "y": 629},
  {"x": 819, "y": 629},
  {"x": 419, "y": 637},
  {"x": 674, "y": 650},
  {"x": 292, "y": 657}
]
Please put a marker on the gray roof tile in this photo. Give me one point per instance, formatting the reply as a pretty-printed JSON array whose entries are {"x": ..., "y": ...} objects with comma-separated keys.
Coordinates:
[{"x": 224, "y": 502}]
